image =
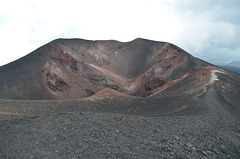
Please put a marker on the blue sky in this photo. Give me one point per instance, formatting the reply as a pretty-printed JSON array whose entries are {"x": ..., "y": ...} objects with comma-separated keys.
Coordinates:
[{"x": 208, "y": 29}]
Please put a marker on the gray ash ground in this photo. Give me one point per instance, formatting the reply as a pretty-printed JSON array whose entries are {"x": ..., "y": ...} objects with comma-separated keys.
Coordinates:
[{"x": 108, "y": 135}]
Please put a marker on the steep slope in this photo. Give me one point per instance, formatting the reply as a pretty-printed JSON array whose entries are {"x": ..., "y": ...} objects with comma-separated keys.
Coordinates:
[{"x": 76, "y": 68}]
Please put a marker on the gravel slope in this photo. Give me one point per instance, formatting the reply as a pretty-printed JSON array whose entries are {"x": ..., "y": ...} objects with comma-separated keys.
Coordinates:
[
  {"x": 95, "y": 135},
  {"x": 210, "y": 133}
]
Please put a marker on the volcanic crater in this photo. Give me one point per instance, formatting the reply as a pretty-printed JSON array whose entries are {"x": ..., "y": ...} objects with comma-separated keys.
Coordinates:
[{"x": 77, "y": 68}]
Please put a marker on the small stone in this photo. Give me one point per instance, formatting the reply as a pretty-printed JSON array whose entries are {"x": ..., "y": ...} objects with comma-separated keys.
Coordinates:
[
  {"x": 223, "y": 147},
  {"x": 117, "y": 131},
  {"x": 189, "y": 145},
  {"x": 194, "y": 148},
  {"x": 204, "y": 153},
  {"x": 216, "y": 151},
  {"x": 168, "y": 149},
  {"x": 177, "y": 138},
  {"x": 210, "y": 152}
]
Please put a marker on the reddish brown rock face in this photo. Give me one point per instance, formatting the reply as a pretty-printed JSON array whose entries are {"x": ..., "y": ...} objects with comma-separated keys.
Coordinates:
[
  {"x": 71, "y": 69},
  {"x": 154, "y": 83},
  {"x": 56, "y": 83}
]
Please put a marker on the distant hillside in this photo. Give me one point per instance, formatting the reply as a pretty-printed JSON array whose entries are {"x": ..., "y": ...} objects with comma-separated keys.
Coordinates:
[
  {"x": 232, "y": 68},
  {"x": 234, "y": 64}
]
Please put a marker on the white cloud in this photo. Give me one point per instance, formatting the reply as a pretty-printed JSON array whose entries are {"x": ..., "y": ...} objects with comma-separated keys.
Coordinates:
[{"x": 196, "y": 26}]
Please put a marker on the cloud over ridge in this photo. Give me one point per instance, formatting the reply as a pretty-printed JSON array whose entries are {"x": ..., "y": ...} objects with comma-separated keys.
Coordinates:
[{"x": 206, "y": 29}]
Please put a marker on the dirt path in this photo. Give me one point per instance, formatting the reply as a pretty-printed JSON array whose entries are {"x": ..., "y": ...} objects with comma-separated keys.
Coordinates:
[{"x": 213, "y": 76}]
